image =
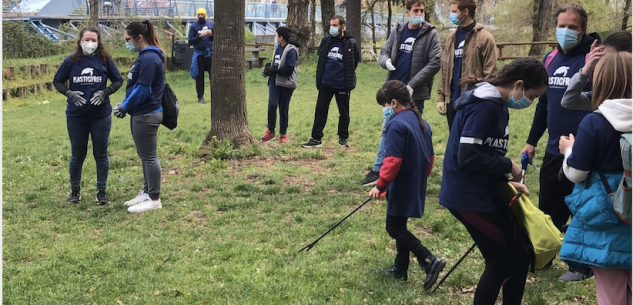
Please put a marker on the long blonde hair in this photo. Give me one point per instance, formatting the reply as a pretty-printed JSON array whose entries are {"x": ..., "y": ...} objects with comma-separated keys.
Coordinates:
[{"x": 612, "y": 78}]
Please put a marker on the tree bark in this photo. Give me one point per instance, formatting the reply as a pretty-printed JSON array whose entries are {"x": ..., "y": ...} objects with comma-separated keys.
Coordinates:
[
  {"x": 228, "y": 105},
  {"x": 389, "y": 14},
  {"x": 370, "y": 7},
  {"x": 299, "y": 22},
  {"x": 541, "y": 20},
  {"x": 627, "y": 14},
  {"x": 327, "y": 11},
  {"x": 353, "y": 22},
  {"x": 94, "y": 13},
  {"x": 312, "y": 24}
]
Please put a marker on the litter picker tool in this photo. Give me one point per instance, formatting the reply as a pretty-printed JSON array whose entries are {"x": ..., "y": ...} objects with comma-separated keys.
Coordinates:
[
  {"x": 454, "y": 266},
  {"x": 309, "y": 246}
]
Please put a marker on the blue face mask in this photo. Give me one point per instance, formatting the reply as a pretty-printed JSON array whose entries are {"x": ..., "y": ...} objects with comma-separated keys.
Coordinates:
[
  {"x": 388, "y": 112},
  {"x": 276, "y": 43},
  {"x": 131, "y": 47},
  {"x": 524, "y": 102},
  {"x": 334, "y": 31},
  {"x": 417, "y": 20},
  {"x": 454, "y": 19},
  {"x": 567, "y": 38}
]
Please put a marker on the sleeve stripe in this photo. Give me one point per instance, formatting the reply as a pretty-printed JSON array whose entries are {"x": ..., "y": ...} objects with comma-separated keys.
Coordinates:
[{"x": 467, "y": 140}]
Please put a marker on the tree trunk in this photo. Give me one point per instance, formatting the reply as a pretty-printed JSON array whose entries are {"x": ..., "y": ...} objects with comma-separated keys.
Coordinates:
[
  {"x": 228, "y": 105},
  {"x": 389, "y": 13},
  {"x": 429, "y": 11},
  {"x": 299, "y": 21},
  {"x": 541, "y": 19},
  {"x": 373, "y": 21},
  {"x": 327, "y": 11},
  {"x": 353, "y": 22},
  {"x": 312, "y": 24},
  {"x": 94, "y": 13},
  {"x": 627, "y": 14}
]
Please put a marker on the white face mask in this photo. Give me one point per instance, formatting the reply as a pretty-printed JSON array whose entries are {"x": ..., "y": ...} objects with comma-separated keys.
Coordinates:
[{"x": 89, "y": 47}]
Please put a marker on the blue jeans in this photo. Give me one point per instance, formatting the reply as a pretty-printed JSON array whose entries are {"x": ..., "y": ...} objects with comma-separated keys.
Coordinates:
[
  {"x": 381, "y": 147},
  {"x": 278, "y": 97},
  {"x": 78, "y": 132}
]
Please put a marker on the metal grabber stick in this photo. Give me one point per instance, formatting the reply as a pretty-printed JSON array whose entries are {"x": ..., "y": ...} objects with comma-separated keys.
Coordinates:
[{"x": 309, "y": 246}]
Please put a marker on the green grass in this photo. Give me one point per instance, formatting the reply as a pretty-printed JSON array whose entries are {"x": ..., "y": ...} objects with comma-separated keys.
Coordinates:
[{"x": 229, "y": 230}]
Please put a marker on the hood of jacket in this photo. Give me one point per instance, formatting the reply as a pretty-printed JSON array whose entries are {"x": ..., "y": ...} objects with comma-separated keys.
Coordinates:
[
  {"x": 155, "y": 50},
  {"x": 618, "y": 113},
  {"x": 480, "y": 92}
]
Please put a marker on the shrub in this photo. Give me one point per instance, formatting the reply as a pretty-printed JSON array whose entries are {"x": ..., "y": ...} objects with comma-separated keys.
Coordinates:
[{"x": 20, "y": 41}]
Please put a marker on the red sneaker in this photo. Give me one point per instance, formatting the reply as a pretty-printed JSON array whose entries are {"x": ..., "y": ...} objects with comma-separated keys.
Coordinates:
[
  {"x": 268, "y": 136},
  {"x": 283, "y": 139}
]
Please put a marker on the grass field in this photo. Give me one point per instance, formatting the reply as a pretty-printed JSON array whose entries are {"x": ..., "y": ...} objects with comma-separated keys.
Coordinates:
[{"x": 229, "y": 230}]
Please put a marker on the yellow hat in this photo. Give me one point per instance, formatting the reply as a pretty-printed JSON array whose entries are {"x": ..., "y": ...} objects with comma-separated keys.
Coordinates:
[{"x": 201, "y": 11}]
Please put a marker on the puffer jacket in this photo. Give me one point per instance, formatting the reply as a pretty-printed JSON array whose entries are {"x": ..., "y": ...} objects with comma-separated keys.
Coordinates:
[{"x": 425, "y": 59}]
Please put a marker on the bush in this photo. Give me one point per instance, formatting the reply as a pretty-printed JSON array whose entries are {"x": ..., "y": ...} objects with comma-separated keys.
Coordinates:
[{"x": 20, "y": 41}]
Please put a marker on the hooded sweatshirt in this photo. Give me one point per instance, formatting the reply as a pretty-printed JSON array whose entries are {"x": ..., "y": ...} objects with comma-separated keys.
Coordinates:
[
  {"x": 145, "y": 83},
  {"x": 597, "y": 144},
  {"x": 476, "y": 149},
  {"x": 549, "y": 113}
]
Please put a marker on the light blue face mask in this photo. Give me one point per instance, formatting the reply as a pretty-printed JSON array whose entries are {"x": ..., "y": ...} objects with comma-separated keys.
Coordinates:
[
  {"x": 417, "y": 20},
  {"x": 388, "y": 112},
  {"x": 567, "y": 38},
  {"x": 276, "y": 43},
  {"x": 522, "y": 103},
  {"x": 131, "y": 47},
  {"x": 454, "y": 19},
  {"x": 334, "y": 31}
]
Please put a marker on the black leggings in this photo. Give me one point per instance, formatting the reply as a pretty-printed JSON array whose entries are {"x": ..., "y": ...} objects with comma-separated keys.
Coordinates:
[
  {"x": 507, "y": 261},
  {"x": 405, "y": 242}
]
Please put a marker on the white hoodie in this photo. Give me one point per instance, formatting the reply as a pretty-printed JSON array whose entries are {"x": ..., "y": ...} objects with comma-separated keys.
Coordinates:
[{"x": 619, "y": 113}]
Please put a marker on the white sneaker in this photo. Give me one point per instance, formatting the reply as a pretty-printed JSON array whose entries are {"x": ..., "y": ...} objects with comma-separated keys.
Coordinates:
[
  {"x": 145, "y": 206},
  {"x": 142, "y": 196}
]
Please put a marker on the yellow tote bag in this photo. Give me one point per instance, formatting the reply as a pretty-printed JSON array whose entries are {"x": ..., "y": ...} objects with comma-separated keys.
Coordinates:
[{"x": 544, "y": 236}]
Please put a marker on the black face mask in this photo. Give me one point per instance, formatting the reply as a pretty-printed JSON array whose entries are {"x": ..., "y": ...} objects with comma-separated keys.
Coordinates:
[{"x": 201, "y": 20}]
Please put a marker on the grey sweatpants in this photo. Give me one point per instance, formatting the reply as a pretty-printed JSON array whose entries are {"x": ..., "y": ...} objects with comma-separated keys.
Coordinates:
[{"x": 144, "y": 131}]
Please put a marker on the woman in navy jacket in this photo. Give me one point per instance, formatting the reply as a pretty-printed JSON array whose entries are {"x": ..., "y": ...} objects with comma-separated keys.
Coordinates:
[
  {"x": 408, "y": 161},
  {"x": 88, "y": 110},
  {"x": 143, "y": 101},
  {"x": 474, "y": 165},
  {"x": 596, "y": 236}
]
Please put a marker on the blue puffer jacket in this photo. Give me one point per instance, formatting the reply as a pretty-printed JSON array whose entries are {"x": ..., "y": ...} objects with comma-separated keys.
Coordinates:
[{"x": 596, "y": 236}]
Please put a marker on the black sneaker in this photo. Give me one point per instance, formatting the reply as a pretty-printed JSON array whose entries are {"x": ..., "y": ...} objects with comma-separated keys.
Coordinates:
[
  {"x": 343, "y": 142},
  {"x": 201, "y": 100},
  {"x": 102, "y": 198},
  {"x": 312, "y": 144},
  {"x": 395, "y": 273},
  {"x": 432, "y": 269},
  {"x": 74, "y": 196},
  {"x": 370, "y": 179}
]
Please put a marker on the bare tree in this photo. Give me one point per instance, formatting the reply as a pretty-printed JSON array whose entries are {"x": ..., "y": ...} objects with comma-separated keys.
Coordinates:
[
  {"x": 327, "y": 11},
  {"x": 312, "y": 23},
  {"x": 627, "y": 14},
  {"x": 353, "y": 22},
  {"x": 94, "y": 13},
  {"x": 228, "y": 106},
  {"x": 389, "y": 14},
  {"x": 298, "y": 20},
  {"x": 541, "y": 20}
]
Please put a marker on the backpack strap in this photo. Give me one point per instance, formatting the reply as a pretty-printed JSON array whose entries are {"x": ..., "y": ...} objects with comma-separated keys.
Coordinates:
[
  {"x": 550, "y": 57},
  {"x": 605, "y": 182}
]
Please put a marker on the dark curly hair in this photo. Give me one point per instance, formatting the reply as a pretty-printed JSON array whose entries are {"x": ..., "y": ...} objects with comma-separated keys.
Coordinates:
[{"x": 397, "y": 90}]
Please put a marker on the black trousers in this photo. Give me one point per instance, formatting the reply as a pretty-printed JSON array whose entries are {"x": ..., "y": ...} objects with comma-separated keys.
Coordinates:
[
  {"x": 204, "y": 64},
  {"x": 405, "y": 242},
  {"x": 507, "y": 261},
  {"x": 553, "y": 190},
  {"x": 323, "y": 107},
  {"x": 450, "y": 115}
]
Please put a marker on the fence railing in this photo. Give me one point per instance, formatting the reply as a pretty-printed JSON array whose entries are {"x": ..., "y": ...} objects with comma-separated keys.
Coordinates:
[{"x": 514, "y": 53}]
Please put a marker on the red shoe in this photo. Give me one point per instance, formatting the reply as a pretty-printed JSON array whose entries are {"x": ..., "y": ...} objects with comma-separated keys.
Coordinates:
[
  {"x": 268, "y": 136},
  {"x": 283, "y": 139}
]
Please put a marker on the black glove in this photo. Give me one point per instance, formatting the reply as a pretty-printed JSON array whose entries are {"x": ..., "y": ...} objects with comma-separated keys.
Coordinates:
[
  {"x": 76, "y": 97},
  {"x": 118, "y": 112},
  {"x": 266, "y": 72},
  {"x": 98, "y": 98}
]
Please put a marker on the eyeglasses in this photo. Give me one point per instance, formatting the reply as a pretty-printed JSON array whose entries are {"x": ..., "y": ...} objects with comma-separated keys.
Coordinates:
[{"x": 128, "y": 39}]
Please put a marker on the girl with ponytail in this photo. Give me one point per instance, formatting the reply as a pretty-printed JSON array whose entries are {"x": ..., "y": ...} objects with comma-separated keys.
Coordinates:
[
  {"x": 143, "y": 101},
  {"x": 408, "y": 161}
]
